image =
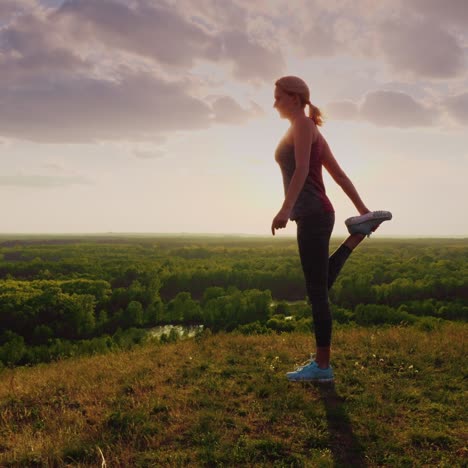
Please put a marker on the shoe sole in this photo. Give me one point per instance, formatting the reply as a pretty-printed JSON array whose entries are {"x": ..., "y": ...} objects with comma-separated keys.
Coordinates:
[
  {"x": 356, "y": 225},
  {"x": 353, "y": 221},
  {"x": 311, "y": 380}
]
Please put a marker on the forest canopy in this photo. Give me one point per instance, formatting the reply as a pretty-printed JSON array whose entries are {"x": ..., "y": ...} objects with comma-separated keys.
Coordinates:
[{"x": 64, "y": 296}]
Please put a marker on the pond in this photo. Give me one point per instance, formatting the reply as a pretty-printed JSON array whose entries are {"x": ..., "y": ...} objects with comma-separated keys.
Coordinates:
[{"x": 183, "y": 331}]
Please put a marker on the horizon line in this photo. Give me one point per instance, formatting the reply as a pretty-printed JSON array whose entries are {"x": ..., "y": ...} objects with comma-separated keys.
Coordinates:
[{"x": 219, "y": 234}]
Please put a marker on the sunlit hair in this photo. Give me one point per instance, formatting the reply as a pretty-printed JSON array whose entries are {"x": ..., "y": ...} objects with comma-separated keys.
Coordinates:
[{"x": 294, "y": 85}]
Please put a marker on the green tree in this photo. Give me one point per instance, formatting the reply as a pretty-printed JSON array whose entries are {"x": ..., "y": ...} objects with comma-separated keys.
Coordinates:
[
  {"x": 12, "y": 349},
  {"x": 183, "y": 309},
  {"x": 133, "y": 315},
  {"x": 154, "y": 313},
  {"x": 41, "y": 334}
]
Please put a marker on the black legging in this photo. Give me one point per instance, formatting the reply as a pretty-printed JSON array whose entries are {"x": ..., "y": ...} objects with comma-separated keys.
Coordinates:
[{"x": 320, "y": 272}]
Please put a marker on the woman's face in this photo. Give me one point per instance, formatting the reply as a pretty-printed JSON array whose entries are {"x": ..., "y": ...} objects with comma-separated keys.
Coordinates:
[{"x": 284, "y": 103}]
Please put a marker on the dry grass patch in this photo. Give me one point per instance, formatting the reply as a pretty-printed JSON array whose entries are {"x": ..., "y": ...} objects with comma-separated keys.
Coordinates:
[{"x": 223, "y": 401}]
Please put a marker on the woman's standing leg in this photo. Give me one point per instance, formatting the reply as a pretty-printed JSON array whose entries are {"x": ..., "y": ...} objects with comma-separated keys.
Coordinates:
[{"x": 313, "y": 237}]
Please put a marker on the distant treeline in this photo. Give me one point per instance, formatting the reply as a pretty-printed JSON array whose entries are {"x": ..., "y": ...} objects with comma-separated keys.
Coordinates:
[{"x": 62, "y": 298}]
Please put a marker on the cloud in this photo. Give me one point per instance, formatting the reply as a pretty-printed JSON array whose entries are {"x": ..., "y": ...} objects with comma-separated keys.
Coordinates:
[
  {"x": 153, "y": 154},
  {"x": 386, "y": 109},
  {"x": 251, "y": 38},
  {"x": 9, "y": 8},
  {"x": 155, "y": 31},
  {"x": 42, "y": 181},
  {"x": 390, "y": 108},
  {"x": 106, "y": 70},
  {"x": 32, "y": 46},
  {"x": 457, "y": 107},
  {"x": 407, "y": 35},
  {"x": 421, "y": 48},
  {"x": 320, "y": 38},
  {"x": 51, "y": 94},
  {"x": 87, "y": 109},
  {"x": 165, "y": 34},
  {"x": 250, "y": 59},
  {"x": 122, "y": 70},
  {"x": 451, "y": 12},
  {"x": 228, "y": 111}
]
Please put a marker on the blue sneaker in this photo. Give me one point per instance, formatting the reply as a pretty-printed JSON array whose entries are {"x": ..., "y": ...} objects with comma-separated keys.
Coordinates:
[
  {"x": 308, "y": 362},
  {"x": 367, "y": 223},
  {"x": 311, "y": 373}
]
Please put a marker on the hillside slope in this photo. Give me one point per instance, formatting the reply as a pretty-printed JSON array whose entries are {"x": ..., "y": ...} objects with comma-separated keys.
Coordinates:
[{"x": 223, "y": 400}]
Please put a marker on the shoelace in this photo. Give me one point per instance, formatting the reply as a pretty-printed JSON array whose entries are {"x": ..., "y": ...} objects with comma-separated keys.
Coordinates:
[{"x": 305, "y": 364}]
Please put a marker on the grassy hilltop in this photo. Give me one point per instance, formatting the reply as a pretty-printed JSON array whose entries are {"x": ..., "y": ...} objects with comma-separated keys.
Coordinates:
[{"x": 222, "y": 400}]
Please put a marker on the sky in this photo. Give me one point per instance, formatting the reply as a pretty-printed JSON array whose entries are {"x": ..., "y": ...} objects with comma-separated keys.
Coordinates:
[{"x": 156, "y": 116}]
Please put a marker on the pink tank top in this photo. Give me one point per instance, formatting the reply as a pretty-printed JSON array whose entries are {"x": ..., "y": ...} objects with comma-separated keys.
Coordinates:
[{"x": 312, "y": 199}]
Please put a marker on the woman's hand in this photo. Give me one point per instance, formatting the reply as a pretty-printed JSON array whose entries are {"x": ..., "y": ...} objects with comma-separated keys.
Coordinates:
[
  {"x": 364, "y": 211},
  {"x": 280, "y": 220}
]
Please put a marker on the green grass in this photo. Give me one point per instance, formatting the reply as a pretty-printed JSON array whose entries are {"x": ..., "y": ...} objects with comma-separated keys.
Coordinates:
[{"x": 223, "y": 400}]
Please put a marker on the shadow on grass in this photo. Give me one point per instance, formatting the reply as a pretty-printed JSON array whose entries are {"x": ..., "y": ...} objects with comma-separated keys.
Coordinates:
[{"x": 346, "y": 448}]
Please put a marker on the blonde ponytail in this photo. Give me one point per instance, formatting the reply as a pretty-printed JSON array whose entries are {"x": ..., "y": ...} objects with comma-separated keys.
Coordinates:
[{"x": 315, "y": 114}]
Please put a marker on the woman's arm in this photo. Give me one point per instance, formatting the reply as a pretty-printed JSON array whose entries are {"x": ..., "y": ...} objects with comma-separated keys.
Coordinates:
[
  {"x": 340, "y": 177},
  {"x": 303, "y": 134}
]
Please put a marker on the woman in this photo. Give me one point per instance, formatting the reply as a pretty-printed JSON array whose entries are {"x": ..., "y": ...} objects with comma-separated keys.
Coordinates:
[{"x": 301, "y": 154}]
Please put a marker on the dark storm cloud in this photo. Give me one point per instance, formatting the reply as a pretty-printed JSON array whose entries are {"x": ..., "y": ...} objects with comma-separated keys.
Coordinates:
[{"x": 385, "y": 109}]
